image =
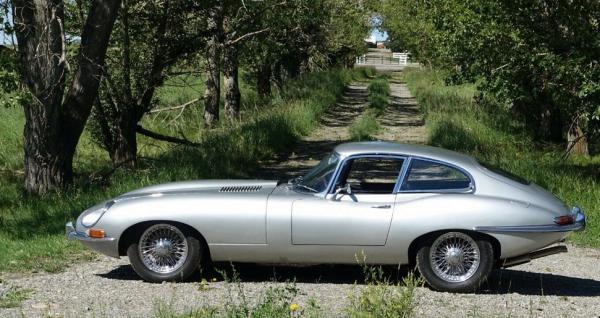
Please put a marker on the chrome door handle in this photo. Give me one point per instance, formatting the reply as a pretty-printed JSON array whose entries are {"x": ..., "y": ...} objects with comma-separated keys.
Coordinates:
[{"x": 385, "y": 206}]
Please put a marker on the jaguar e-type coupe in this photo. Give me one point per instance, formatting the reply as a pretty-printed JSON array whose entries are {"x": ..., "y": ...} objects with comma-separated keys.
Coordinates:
[{"x": 452, "y": 217}]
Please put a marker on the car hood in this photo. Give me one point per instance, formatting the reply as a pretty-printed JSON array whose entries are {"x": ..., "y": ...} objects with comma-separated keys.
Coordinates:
[{"x": 224, "y": 186}]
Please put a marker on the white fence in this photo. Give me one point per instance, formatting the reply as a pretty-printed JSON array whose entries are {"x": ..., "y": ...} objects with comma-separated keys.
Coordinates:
[{"x": 400, "y": 58}]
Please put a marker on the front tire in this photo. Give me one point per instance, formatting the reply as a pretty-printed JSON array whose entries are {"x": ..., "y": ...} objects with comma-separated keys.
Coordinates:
[
  {"x": 165, "y": 252},
  {"x": 455, "y": 261}
]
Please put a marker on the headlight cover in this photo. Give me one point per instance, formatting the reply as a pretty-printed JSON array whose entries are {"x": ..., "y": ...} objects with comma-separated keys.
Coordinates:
[{"x": 92, "y": 215}]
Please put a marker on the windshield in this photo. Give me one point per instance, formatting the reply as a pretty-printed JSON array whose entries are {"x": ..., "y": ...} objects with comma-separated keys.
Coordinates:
[{"x": 317, "y": 179}]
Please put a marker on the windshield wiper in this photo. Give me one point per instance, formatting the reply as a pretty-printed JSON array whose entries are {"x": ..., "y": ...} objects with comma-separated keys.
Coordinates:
[{"x": 306, "y": 187}]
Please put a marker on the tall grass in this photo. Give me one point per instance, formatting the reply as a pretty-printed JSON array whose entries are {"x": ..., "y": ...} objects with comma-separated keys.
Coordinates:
[
  {"x": 32, "y": 229},
  {"x": 487, "y": 132},
  {"x": 365, "y": 127}
]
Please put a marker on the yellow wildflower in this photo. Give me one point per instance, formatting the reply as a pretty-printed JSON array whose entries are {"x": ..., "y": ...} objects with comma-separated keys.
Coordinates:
[{"x": 294, "y": 307}]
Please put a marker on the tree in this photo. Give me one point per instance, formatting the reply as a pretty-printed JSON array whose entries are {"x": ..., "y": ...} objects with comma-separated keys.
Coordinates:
[
  {"x": 537, "y": 58},
  {"x": 214, "y": 46},
  {"x": 56, "y": 115},
  {"x": 149, "y": 38}
]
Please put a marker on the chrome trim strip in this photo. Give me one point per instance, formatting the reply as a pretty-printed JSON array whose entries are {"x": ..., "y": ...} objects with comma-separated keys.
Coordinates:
[
  {"x": 72, "y": 235},
  {"x": 578, "y": 225}
]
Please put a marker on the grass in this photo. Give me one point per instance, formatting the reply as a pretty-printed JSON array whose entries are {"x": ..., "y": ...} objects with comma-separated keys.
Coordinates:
[
  {"x": 367, "y": 125},
  {"x": 271, "y": 302},
  {"x": 378, "y": 298},
  {"x": 382, "y": 298},
  {"x": 32, "y": 228},
  {"x": 13, "y": 297},
  {"x": 455, "y": 121}
]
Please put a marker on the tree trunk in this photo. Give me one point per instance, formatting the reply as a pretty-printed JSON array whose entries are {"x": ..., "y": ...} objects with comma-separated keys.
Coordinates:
[
  {"x": 53, "y": 126},
  {"x": 124, "y": 153},
  {"x": 231, "y": 80},
  {"x": 47, "y": 163},
  {"x": 576, "y": 140},
  {"x": 212, "y": 93},
  {"x": 263, "y": 80}
]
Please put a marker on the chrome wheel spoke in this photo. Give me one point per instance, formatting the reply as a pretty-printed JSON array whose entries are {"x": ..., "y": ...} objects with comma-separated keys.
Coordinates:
[
  {"x": 163, "y": 248},
  {"x": 454, "y": 257}
]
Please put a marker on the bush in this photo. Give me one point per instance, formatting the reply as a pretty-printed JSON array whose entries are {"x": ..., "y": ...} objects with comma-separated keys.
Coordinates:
[
  {"x": 379, "y": 86},
  {"x": 365, "y": 127},
  {"x": 382, "y": 298}
]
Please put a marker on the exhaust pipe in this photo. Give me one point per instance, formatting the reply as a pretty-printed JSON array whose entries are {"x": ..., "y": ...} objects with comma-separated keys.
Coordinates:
[{"x": 518, "y": 260}]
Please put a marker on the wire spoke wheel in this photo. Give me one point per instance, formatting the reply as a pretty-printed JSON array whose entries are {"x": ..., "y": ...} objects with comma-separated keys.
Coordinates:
[
  {"x": 454, "y": 257},
  {"x": 163, "y": 248}
]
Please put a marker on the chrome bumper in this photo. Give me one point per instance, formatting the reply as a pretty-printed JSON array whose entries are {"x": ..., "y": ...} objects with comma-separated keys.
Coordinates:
[
  {"x": 577, "y": 225},
  {"x": 105, "y": 245}
]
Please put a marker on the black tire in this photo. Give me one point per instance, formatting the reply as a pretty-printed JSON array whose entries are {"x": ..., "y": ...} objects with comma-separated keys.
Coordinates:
[
  {"x": 472, "y": 284},
  {"x": 188, "y": 267}
]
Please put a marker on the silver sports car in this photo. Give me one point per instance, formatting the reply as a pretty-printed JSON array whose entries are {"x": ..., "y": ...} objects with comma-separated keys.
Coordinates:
[{"x": 452, "y": 217}]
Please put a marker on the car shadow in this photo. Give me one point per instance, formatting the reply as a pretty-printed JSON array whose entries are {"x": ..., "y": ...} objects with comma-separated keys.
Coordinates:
[{"x": 503, "y": 281}]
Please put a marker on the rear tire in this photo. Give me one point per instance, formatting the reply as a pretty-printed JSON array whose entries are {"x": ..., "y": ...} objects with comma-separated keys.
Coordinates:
[
  {"x": 165, "y": 252},
  {"x": 455, "y": 261}
]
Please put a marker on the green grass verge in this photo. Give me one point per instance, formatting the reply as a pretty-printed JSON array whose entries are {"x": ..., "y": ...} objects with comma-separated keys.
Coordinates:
[
  {"x": 32, "y": 229},
  {"x": 454, "y": 121}
]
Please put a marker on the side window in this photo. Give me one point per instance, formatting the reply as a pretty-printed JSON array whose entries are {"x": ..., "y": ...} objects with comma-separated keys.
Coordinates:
[
  {"x": 426, "y": 175},
  {"x": 371, "y": 175}
]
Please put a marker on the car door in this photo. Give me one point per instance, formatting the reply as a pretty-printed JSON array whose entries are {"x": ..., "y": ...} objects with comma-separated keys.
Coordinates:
[{"x": 358, "y": 217}]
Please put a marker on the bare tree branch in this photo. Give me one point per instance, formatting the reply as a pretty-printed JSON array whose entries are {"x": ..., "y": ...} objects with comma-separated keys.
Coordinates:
[
  {"x": 245, "y": 36},
  {"x": 182, "y": 141},
  {"x": 174, "y": 107}
]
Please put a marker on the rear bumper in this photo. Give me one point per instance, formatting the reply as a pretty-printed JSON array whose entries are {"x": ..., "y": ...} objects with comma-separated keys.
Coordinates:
[
  {"x": 107, "y": 245},
  {"x": 577, "y": 225}
]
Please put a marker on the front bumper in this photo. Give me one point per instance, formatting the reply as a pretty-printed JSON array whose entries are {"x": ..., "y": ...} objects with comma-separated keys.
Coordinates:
[
  {"x": 577, "y": 225},
  {"x": 106, "y": 245}
]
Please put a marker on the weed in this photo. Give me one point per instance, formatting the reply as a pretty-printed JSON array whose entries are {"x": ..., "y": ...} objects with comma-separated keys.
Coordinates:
[
  {"x": 365, "y": 127},
  {"x": 13, "y": 297}
]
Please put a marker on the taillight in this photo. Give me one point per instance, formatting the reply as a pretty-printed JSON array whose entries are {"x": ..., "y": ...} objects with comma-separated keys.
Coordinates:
[{"x": 564, "y": 220}]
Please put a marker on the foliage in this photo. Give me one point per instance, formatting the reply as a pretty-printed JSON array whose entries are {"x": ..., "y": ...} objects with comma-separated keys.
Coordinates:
[
  {"x": 273, "y": 301},
  {"x": 456, "y": 122},
  {"x": 32, "y": 228},
  {"x": 382, "y": 298},
  {"x": 13, "y": 297},
  {"x": 11, "y": 90},
  {"x": 537, "y": 58},
  {"x": 365, "y": 127}
]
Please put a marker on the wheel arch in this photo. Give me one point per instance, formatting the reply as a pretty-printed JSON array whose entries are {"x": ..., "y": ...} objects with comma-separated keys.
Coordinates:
[
  {"x": 428, "y": 238},
  {"x": 134, "y": 231}
]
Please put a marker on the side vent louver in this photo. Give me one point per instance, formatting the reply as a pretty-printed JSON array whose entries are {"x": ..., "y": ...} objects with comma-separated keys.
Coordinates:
[{"x": 240, "y": 189}]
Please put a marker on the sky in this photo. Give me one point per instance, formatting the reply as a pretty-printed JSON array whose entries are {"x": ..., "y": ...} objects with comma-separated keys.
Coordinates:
[
  {"x": 5, "y": 39},
  {"x": 379, "y": 36}
]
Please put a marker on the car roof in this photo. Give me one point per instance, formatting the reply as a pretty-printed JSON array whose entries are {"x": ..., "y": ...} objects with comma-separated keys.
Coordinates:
[{"x": 393, "y": 148}]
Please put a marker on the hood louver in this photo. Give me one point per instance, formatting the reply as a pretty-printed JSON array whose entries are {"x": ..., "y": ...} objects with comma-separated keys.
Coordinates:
[{"x": 240, "y": 189}]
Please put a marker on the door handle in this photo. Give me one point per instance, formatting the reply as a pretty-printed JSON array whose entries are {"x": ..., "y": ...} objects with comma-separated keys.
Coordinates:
[{"x": 385, "y": 206}]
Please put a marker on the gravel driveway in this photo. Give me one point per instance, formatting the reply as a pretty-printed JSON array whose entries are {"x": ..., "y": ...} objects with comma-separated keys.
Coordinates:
[{"x": 564, "y": 285}]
